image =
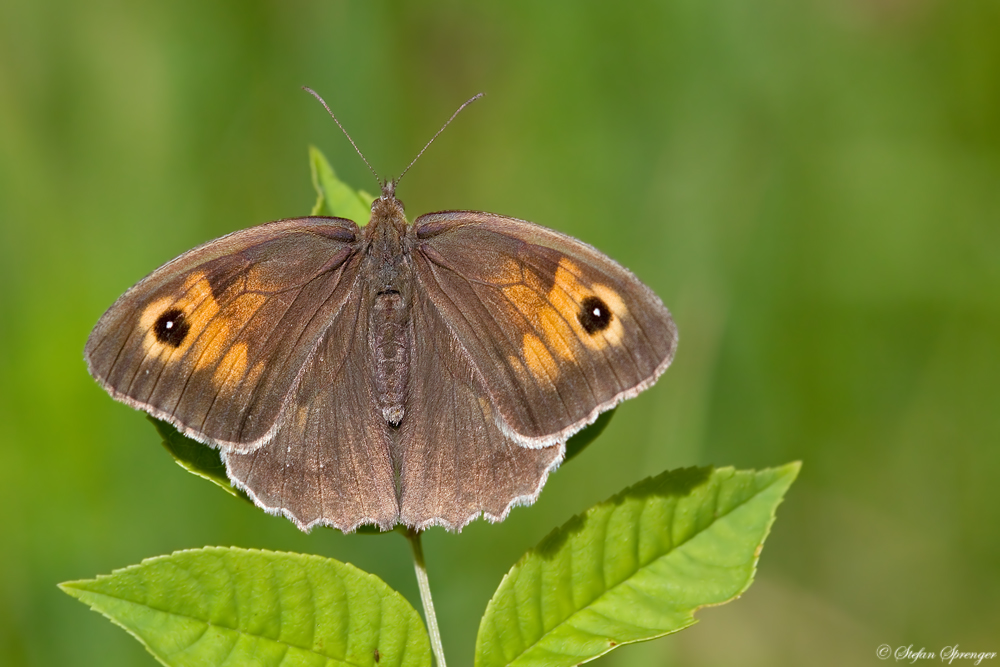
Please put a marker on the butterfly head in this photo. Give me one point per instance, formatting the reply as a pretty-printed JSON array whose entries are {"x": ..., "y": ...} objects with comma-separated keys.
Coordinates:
[
  {"x": 387, "y": 212},
  {"x": 387, "y": 202},
  {"x": 389, "y": 188}
]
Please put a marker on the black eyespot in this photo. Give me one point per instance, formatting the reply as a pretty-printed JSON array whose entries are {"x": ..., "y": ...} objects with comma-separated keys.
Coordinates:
[
  {"x": 594, "y": 316},
  {"x": 170, "y": 328}
]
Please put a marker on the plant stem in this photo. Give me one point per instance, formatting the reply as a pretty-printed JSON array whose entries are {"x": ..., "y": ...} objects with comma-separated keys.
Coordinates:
[{"x": 425, "y": 596}]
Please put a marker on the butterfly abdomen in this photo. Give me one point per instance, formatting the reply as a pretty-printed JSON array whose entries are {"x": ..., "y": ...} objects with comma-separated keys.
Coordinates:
[{"x": 389, "y": 333}]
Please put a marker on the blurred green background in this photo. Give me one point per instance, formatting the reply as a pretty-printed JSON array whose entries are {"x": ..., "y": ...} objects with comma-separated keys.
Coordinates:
[{"x": 812, "y": 187}]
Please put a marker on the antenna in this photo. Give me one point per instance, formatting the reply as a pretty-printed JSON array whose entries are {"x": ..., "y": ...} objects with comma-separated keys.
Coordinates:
[
  {"x": 390, "y": 186},
  {"x": 372, "y": 169},
  {"x": 447, "y": 123}
]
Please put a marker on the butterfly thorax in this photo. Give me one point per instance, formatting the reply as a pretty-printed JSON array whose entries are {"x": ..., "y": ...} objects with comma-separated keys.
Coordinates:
[
  {"x": 388, "y": 275},
  {"x": 384, "y": 237}
]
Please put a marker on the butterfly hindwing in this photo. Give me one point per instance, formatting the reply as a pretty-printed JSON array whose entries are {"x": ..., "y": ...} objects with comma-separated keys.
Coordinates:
[
  {"x": 329, "y": 462},
  {"x": 455, "y": 461}
]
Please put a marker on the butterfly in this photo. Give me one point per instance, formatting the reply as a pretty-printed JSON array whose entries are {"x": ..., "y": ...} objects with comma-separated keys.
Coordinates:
[{"x": 420, "y": 374}]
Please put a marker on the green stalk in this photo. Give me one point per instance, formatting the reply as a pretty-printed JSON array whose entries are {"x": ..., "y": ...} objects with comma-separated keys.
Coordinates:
[{"x": 425, "y": 596}]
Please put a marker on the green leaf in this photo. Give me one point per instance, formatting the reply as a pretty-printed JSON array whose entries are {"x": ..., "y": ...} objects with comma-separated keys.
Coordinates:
[
  {"x": 196, "y": 458},
  {"x": 634, "y": 567},
  {"x": 229, "y": 606},
  {"x": 334, "y": 197}
]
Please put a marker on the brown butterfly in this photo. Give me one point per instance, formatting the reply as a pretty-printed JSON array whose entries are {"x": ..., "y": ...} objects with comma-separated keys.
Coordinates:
[{"x": 421, "y": 373}]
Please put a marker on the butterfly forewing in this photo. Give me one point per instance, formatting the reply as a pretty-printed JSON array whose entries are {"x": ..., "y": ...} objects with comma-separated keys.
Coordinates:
[
  {"x": 214, "y": 341},
  {"x": 556, "y": 331}
]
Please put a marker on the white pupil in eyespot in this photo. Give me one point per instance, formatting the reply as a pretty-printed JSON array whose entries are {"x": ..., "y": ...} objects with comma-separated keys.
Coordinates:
[
  {"x": 597, "y": 312},
  {"x": 169, "y": 324}
]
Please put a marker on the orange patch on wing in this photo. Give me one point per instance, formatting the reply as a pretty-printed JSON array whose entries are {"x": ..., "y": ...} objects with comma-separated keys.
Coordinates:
[
  {"x": 218, "y": 335},
  {"x": 568, "y": 293},
  {"x": 212, "y": 329},
  {"x": 538, "y": 358},
  {"x": 613, "y": 334},
  {"x": 557, "y": 332},
  {"x": 537, "y": 354},
  {"x": 555, "y": 317},
  {"x": 232, "y": 368},
  {"x": 198, "y": 307},
  {"x": 527, "y": 301},
  {"x": 151, "y": 313}
]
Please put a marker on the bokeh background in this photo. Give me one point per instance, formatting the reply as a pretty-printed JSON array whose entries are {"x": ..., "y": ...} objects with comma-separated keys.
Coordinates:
[{"x": 812, "y": 187}]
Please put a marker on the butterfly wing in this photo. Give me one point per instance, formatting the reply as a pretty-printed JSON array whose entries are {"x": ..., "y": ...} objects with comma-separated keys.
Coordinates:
[
  {"x": 215, "y": 341},
  {"x": 455, "y": 461},
  {"x": 555, "y": 331},
  {"x": 329, "y": 462}
]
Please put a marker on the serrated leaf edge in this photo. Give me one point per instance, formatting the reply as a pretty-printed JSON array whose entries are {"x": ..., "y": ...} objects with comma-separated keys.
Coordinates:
[
  {"x": 71, "y": 589},
  {"x": 792, "y": 469}
]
